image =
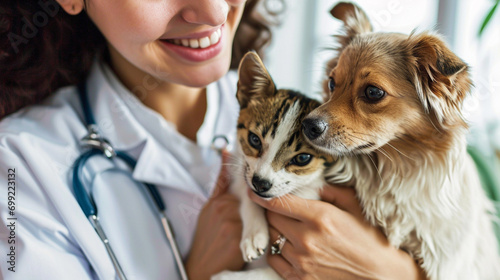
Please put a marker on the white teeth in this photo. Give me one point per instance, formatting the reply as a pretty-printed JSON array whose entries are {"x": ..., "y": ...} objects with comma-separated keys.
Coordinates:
[
  {"x": 214, "y": 38},
  {"x": 202, "y": 43},
  {"x": 194, "y": 43}
]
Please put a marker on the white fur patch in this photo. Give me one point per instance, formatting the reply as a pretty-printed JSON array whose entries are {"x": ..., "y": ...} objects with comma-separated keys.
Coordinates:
[{"x": 437, "y": 211}]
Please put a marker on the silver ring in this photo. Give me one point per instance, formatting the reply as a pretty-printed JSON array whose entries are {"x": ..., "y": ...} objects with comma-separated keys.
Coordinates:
[
  {"x": 278, "y": 245},
  {"x": 219, "y": 143}
]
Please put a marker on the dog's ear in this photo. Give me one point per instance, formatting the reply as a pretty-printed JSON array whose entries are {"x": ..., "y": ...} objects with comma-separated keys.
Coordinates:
[
  {"x": 355, "y": 21},
  {"x": 253, "y": 79},
  {"x": 441, "y": 78}
]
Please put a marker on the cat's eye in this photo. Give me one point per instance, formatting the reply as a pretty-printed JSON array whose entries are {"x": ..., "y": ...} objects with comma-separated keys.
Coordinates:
[
  {"x": 254, "y": 140},
  {"x": 301, "y": 159},
  {"x": 374, "y": 94},
  {"x": 331, "y": 84}
]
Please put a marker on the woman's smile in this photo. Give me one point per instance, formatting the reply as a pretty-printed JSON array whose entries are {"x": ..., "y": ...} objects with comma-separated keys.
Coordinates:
[
  {"x": 196, "y": 47},
  {"x": 177, "y": 42}
]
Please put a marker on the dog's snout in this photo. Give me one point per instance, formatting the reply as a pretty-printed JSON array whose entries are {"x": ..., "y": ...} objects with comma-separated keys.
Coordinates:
[
  {"x": 261, "y": 185},
  {"x": 313, "y": 127}
]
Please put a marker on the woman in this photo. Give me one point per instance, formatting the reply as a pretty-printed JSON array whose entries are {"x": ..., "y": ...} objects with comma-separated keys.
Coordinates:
[{"x": 156, "y": 77}]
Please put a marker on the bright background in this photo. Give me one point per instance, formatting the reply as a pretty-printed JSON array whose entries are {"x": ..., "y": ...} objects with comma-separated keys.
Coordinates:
[{"x": 300, "y": 48}]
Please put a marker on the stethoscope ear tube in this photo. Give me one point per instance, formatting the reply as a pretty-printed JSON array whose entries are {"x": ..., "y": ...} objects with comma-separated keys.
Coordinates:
[
  {"x": 94, "y": 220},
  {"x": 87, "y": 112},
  {"x": 89, "y": 208},
  {"x": 86, "y": 203},
  {"x": 173, "y": 245}
]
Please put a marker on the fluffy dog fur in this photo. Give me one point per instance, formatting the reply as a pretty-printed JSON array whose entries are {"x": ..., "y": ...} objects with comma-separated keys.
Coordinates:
[{"x": 405, "y": 152}]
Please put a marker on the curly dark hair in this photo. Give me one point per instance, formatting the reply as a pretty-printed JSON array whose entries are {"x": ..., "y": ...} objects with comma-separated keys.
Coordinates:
[{"x": 42, "y": 48}]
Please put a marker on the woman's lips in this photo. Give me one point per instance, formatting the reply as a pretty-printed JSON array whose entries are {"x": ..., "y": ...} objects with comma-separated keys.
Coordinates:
[{"x": 196, "y": 49}]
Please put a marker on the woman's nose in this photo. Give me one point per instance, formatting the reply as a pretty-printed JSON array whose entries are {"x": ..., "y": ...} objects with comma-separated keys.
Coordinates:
[{"x": 209, "y": 12}]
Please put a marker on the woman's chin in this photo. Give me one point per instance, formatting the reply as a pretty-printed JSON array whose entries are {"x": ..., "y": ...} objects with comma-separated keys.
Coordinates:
[{"x": 204, "y": 76}]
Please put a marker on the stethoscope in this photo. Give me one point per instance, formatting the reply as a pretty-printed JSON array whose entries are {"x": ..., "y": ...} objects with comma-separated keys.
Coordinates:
[{"x": 99, "y": 146}]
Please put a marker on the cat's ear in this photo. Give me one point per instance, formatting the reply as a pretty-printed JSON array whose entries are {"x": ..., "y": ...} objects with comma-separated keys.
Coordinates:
[{"x": 254, "y": 80}]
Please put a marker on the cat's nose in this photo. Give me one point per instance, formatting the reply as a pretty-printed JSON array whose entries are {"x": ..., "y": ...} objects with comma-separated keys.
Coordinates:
[
  {"x": 261, "y": 185},
  {"x": 313, "y": 127}
]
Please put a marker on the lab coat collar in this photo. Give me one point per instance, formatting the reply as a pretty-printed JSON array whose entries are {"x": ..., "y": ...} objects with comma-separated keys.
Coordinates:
[
  {"x": 159, "y": 149},
  {"x": 114, "y": 119},
  {"x": 157, "y": 166}
]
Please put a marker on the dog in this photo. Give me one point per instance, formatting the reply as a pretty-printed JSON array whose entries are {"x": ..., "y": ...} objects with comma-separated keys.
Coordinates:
[
  {"x": 393, "y": 114},
  {"x": 272, "y": 157}
]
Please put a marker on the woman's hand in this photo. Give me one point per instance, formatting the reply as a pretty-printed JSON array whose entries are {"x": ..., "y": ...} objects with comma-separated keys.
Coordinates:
[
  {"x": 330, "y": 239},
  {"x": 218, "y": 234}
]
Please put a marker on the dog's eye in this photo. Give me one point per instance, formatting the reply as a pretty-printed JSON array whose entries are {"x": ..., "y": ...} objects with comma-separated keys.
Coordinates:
[
  {"x": 254, "y": 140},
  {"x": 331, "y": 84},
  {"x": 301, "y": 159},
  {"x": 374, "y": 94}
]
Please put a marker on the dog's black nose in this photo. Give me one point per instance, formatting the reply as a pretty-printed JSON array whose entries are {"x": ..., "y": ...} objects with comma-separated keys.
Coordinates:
[
  {"x": 260, "y": 185},
  {"x": 313, "y": 128}
]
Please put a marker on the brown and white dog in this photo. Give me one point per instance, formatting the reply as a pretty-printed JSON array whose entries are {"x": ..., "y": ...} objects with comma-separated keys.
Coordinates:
[{"x": 393, "y": 113}]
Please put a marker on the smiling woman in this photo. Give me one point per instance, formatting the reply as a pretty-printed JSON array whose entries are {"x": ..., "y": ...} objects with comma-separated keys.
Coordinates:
[
  {"x": 137, "y": 35},
  {"x": 145, "y": 80},
  {"x": 30, "y": 31}
]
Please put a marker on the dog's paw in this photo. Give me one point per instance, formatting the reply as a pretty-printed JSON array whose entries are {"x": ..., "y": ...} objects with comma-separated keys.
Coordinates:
[{"x": 254, "y": 245}]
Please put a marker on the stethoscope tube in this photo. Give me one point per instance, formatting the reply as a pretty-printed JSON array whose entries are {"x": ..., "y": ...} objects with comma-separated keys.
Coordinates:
[
  {"x": 86, "y": 203},
  {"x": 100, "y": 146}
]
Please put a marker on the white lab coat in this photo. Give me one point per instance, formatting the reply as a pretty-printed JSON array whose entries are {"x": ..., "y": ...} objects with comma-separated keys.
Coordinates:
[{"x": 53, "y": 238}]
